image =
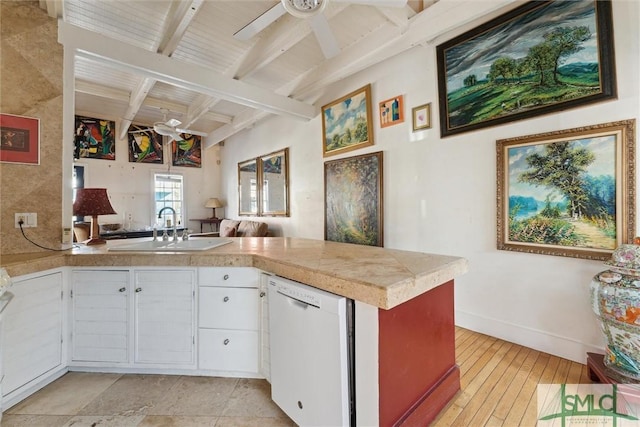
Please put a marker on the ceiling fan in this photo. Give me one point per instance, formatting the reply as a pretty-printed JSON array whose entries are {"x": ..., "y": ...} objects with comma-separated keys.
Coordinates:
[
  {"x": 311, "y": 9},
  {"x": 169, "y": 128}
]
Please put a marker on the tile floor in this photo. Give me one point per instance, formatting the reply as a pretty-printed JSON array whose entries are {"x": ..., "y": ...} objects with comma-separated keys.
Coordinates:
[{"x": 113, "y": 400}]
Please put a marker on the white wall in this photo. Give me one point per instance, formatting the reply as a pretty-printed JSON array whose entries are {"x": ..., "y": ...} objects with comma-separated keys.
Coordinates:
[
  {"x": 130, "y": 186},
  {"x": 440, "y": 196}
]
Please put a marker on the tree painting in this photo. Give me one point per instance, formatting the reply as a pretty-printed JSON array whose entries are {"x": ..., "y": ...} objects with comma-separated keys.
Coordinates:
[
  {"x": 542, "y": 57},
  {"x": 564, "y": 193},
  {"x": 346, "y": 123},
  {"x": 353, "y": 200}
]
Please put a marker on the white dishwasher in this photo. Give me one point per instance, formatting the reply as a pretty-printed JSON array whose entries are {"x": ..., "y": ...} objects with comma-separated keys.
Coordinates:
[{"x": 311, "y": 345}]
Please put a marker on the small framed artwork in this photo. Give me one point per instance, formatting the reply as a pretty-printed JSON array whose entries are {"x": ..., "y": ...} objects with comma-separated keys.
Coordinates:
[
  {"x": 541, "y": 57},
  {"x": 187, "y": 151},
  {"x": 145, "y": 145},
  {"x": 421, "y": 117},
  {"x": 392, "y": 111},
  {"x": 569, "y": 193},
  {"x": 19, "y": 139},
  {"x": 347, "y": 123},
  {"x": 353, "y": 200},
  {"x": 95, "y": 138}
]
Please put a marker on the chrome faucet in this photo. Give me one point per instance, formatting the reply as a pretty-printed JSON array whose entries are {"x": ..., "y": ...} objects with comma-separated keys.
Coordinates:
[{"x": 173, "y": 224}]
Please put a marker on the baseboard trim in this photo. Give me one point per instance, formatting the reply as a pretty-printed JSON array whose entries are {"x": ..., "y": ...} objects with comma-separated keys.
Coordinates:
[
  {"x": 565, "y": 347},
  {"x": 427, "y": 408}
]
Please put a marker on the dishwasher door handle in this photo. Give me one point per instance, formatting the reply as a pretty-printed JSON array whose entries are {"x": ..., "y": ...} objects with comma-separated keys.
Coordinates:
[{"x": 296, "y": 301}]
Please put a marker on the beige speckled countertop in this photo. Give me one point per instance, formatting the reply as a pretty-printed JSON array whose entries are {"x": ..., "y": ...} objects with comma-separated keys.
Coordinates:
[{"x": 381, "y": 277}]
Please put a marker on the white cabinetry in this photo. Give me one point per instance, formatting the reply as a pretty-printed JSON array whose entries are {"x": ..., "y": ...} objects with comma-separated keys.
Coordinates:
[
  {"x": 229, "y": 320},
  {"x": 164, "y": 317},
  {"x": 32, "y": 333},
  {"x": 100, "y": 328},
  {"x": 133, "y": 318}
]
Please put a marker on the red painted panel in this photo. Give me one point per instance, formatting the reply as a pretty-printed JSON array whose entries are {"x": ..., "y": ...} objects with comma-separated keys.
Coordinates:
[{"x": 416, "y": 353}]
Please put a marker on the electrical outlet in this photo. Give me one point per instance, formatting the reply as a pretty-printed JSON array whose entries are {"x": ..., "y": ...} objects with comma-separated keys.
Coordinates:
[{"x": 28, "y": 220}]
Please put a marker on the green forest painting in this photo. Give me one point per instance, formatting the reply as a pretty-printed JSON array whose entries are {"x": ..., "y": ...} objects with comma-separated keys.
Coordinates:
[
  {"x": 539, "y": 58},
  {"x": 566, "y": 191},
  {"x": 353, "y": 200}
]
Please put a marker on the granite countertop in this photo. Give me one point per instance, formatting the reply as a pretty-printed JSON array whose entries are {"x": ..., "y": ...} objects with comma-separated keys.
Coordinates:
[{"x": 377, "y": 276}]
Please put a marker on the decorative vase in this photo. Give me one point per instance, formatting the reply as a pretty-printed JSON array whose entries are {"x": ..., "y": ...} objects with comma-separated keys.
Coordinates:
[{"x": 615, "y": 299}]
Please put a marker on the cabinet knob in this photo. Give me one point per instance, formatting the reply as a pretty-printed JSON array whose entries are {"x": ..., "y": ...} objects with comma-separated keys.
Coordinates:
[
  {"x": 138, "y": 289},
  {"x": 225, "y": 342},
  {"x": 226, "y": 277},
  {"x": 262, "y": 294},
  {"x": 122, "y": 289},
  {"x": 225, "y": 299}
]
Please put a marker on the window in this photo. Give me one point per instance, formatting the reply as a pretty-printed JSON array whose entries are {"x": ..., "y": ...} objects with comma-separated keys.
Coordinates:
[{"x": 169, "y": 192}]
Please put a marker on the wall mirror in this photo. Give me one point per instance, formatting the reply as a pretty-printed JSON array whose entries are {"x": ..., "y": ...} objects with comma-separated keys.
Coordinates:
[
  {"x": 263, "y": 185},
  {"x": 248, "y": 187},
  {"x": 275, "y": 183}
]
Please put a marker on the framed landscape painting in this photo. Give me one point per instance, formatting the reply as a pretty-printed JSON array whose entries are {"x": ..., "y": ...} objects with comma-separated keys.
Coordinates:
[
  {"x": 542, "y": 57},
  {"x": 568, "y": 193},
  {"x": 19, "y": 139},
  {"x": 347, "y": 123},
  {"x": 353, "y": 200}
]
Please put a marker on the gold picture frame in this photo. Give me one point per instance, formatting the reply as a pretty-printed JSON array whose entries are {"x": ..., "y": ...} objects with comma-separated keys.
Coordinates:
[
  {"x": 421, "y": 117},
  {"x": 567, "y": 193},
  {"x": 347, "y": 123}
]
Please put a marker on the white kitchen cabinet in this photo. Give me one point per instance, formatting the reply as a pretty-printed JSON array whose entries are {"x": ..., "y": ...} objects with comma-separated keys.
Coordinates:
[
  {"x": 164, "y": 327},
  {"x": 32, "y": 332},
  {"x": 100, "y": 316},
  {"x": 229, "y": 320}
]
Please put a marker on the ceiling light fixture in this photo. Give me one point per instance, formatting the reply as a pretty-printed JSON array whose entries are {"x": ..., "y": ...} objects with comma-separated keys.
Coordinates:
[{"x": 304, "y": 8}]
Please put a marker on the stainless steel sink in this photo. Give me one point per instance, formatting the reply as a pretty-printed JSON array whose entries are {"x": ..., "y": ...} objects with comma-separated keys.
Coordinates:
[{"x": 171, "y": 246}]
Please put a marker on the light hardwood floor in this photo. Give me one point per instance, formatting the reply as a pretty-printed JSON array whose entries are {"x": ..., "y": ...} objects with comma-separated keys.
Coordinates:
[{"x": 498, "y": 382}]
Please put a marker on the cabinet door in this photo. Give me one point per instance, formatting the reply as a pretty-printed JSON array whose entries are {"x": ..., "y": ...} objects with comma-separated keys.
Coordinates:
[
  {"x": 164, "y": 316},
  {"x": 100, "y": 325},
  {"x": 32, "y": 330},
  {"x": 227, "y": 350},
  {"x": 228, "y": 308}
]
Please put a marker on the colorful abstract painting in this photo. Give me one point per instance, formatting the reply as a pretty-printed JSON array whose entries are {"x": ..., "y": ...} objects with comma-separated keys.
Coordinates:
[
  {"x": 187, "y": 151},
  {"x": 94, "y": 138},
  {"x": 145, "y": 145}
]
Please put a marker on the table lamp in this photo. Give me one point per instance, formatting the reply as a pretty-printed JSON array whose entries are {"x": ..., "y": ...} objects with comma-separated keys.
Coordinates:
[
  {"x": 213, "y": 203},
  {"x": 93, "y": 202}
]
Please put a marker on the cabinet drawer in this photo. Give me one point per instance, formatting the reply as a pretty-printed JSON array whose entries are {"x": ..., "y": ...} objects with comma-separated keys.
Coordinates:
[
  {"x": 227, "y": 350},
  {"x": 229, "y": 308},
  {"x": 242, "y": 277}
]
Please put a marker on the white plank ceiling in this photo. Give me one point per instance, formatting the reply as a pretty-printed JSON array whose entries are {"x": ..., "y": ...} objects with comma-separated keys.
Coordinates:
[{"x": 139, "y": 61}]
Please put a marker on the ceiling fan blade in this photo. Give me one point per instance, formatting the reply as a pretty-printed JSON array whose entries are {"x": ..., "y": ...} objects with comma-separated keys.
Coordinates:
[
  {"x": 260, "y": 23},
  {"x": 173, "y": 122},
  {"x": 327, "y": 40},
  {"x": 191, "y": 132},
  {"x": 141, "y": 130},
  {"x": 376, "y": 3}
]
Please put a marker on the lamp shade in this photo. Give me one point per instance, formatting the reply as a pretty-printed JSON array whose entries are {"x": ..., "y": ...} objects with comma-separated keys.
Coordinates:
[
  {"x": 92, "y": 201},
  {"x": 213, "y": 203}
]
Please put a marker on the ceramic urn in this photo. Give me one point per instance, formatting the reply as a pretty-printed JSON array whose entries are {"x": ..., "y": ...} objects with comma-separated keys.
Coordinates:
[{"x": 615, "y": 298}]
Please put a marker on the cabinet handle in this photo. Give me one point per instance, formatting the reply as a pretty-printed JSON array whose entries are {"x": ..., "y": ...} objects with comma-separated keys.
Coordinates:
[
  {"x": 226, "y": 277},
  {"x": 225, "y": 299},
  {"x": 138, "y": 289},
  {"x": 262, "y": 294},
  {"x": 122, "y": 289},
  {"x": 225, "y": 342}
]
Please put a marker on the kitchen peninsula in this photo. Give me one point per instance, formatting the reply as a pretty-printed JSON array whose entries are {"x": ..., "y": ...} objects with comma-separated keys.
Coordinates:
[{"x": 405, "y": 370}]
